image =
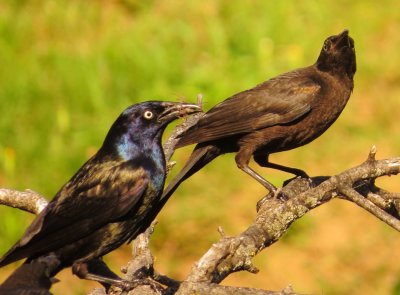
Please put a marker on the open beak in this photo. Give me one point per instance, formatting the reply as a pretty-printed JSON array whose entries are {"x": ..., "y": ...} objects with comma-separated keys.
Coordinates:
[
  {"x": 175, "y": 110},
  {"x": 343, "y": 40}
]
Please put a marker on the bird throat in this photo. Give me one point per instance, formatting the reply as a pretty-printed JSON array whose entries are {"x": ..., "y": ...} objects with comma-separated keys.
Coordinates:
[{"x": 147, "y": 152}]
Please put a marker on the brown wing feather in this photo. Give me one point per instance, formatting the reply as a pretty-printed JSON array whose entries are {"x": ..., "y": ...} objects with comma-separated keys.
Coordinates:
[{"x": 274, "y": 102}]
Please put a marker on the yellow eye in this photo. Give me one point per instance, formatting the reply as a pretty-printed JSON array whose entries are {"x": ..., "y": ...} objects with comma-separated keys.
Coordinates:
[{"x": 148, "y": 115}]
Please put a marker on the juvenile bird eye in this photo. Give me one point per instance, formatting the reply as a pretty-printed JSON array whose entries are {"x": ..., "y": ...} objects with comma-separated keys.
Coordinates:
[
  {"x": 148, "y": 115},
  {"x": 326, "y": 45}
]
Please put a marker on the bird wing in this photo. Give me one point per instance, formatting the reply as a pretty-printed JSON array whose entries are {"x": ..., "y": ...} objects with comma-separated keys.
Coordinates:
[
  {"x": 278, "y": 101},
  {"x": 89, "y": 201}
]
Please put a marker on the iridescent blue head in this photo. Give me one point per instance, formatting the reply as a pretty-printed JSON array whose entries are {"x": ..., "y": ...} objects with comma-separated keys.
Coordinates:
[{"x": 140, "y": 127}]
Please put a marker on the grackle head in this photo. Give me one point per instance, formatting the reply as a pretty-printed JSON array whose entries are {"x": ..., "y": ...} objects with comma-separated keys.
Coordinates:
[
  {"x": 144, "y": 123},
  {"x": 338, "y": 55}
]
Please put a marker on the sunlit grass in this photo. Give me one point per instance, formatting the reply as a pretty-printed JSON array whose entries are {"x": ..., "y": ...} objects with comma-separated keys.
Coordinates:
[{"x": 68, "y": 68}]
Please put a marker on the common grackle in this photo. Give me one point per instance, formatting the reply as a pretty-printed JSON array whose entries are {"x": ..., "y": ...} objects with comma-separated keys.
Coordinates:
[
  {"x": 108, "y": 201},
  {"x": 280, "y": 114}
]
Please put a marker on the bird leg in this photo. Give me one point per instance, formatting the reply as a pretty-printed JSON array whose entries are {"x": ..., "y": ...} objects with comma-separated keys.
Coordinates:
[
  {"x": 97, "y": 270},
  {"x": 295, "y": 171},
  {"x": 242, "y": 161},
  {"x": 263, "y": 162}
]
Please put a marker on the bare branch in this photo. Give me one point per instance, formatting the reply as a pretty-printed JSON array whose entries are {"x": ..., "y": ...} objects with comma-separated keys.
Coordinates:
[
  {"x": 141, "y": 267},
  {"x": 215, "y": 289},
  {"x": 142, "y": 263},
  {"x": 275, "y": 216},
  {"x": 357, "y": 198},
  {"x": 28, "y": 200}
]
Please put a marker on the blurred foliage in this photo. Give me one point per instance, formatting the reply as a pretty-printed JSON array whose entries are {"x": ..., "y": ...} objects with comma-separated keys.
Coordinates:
[{"x": 68, "y": 68}]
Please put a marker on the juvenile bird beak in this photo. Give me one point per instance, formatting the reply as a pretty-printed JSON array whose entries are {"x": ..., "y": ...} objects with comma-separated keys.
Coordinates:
[
  {"x": 175, "y": 110},
  {"x": 343, "y": 40}
]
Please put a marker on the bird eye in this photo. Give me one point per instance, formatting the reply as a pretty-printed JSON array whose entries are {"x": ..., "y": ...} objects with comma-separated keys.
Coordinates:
[
  {"x": 326, "y": 45},
  {"x": 148, "y": 115}
]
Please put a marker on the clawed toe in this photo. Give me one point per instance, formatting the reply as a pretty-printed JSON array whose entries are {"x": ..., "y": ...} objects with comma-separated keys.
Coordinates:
[
  {"x": 265, "y": 199},
  {"x": 277, "y": 193},
  {"x": 311, "y": 182},
  {"x": 281, "y": 196}
]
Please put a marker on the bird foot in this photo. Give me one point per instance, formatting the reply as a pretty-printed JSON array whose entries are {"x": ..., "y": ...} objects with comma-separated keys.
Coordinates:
[
  {"x": 281, "y": 196},
  {"x": 275, "y": 194},
  {"x": 265, "y": 199},
  {"x": 81, "y": 270},
  {"x": 310, "y": 182},
  {"x": 261, "y": 202}
]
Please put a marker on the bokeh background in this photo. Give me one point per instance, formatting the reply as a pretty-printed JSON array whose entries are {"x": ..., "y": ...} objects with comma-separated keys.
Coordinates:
[{"x": 68, "y": 68}]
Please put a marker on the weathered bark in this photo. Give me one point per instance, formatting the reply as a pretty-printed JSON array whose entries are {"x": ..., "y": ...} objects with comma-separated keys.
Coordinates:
[{"x": 27, "y": 200}]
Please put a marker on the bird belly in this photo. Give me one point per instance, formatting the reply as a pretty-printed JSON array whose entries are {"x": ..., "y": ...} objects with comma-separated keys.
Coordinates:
[
  {"x": 286, "y": 137},
  {"x": 111, "y": 235},
  {"x": 98, "y": 243}
]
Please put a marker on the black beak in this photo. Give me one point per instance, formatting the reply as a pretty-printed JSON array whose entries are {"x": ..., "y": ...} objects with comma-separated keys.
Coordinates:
[
  {"x": 175, "y": 110},
  {"x": 343, "y": 40}
]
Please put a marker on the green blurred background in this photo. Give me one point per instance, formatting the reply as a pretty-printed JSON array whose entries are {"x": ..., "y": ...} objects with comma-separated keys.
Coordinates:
[{"x": 68, "y": 68}]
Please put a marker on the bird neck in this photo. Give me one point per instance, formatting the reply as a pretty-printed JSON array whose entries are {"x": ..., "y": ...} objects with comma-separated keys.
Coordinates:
[
  {"x": 128, "y": 146},
  {"x": 134, "y": 145},
  {"x": 343, "y": 69},
  {"x": 137, "y": 151}
]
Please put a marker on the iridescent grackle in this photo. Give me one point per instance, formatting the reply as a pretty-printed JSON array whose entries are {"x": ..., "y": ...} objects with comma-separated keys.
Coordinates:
[
  {"x": 280, "y": 114},
  {"x": 107, "y": 202}
]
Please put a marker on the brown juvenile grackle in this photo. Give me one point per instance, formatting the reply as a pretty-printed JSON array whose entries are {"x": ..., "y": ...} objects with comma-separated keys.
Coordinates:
[{"x": 283, "y": 113}]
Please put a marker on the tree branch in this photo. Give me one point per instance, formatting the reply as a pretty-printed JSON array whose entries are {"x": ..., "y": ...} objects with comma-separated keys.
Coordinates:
[
  {"x": 274, "y": 217},
  {"x": 215, "y": 289},
  {"x": 357, "y": 198},
  {"x": 28, "y": 200}
]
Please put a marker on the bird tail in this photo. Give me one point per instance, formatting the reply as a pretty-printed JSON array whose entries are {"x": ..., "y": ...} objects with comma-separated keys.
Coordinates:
[
  {"x": 34, "y": 277},
  {"x": 201, "y": 156},
  {"x": 11, "y": 256}
]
